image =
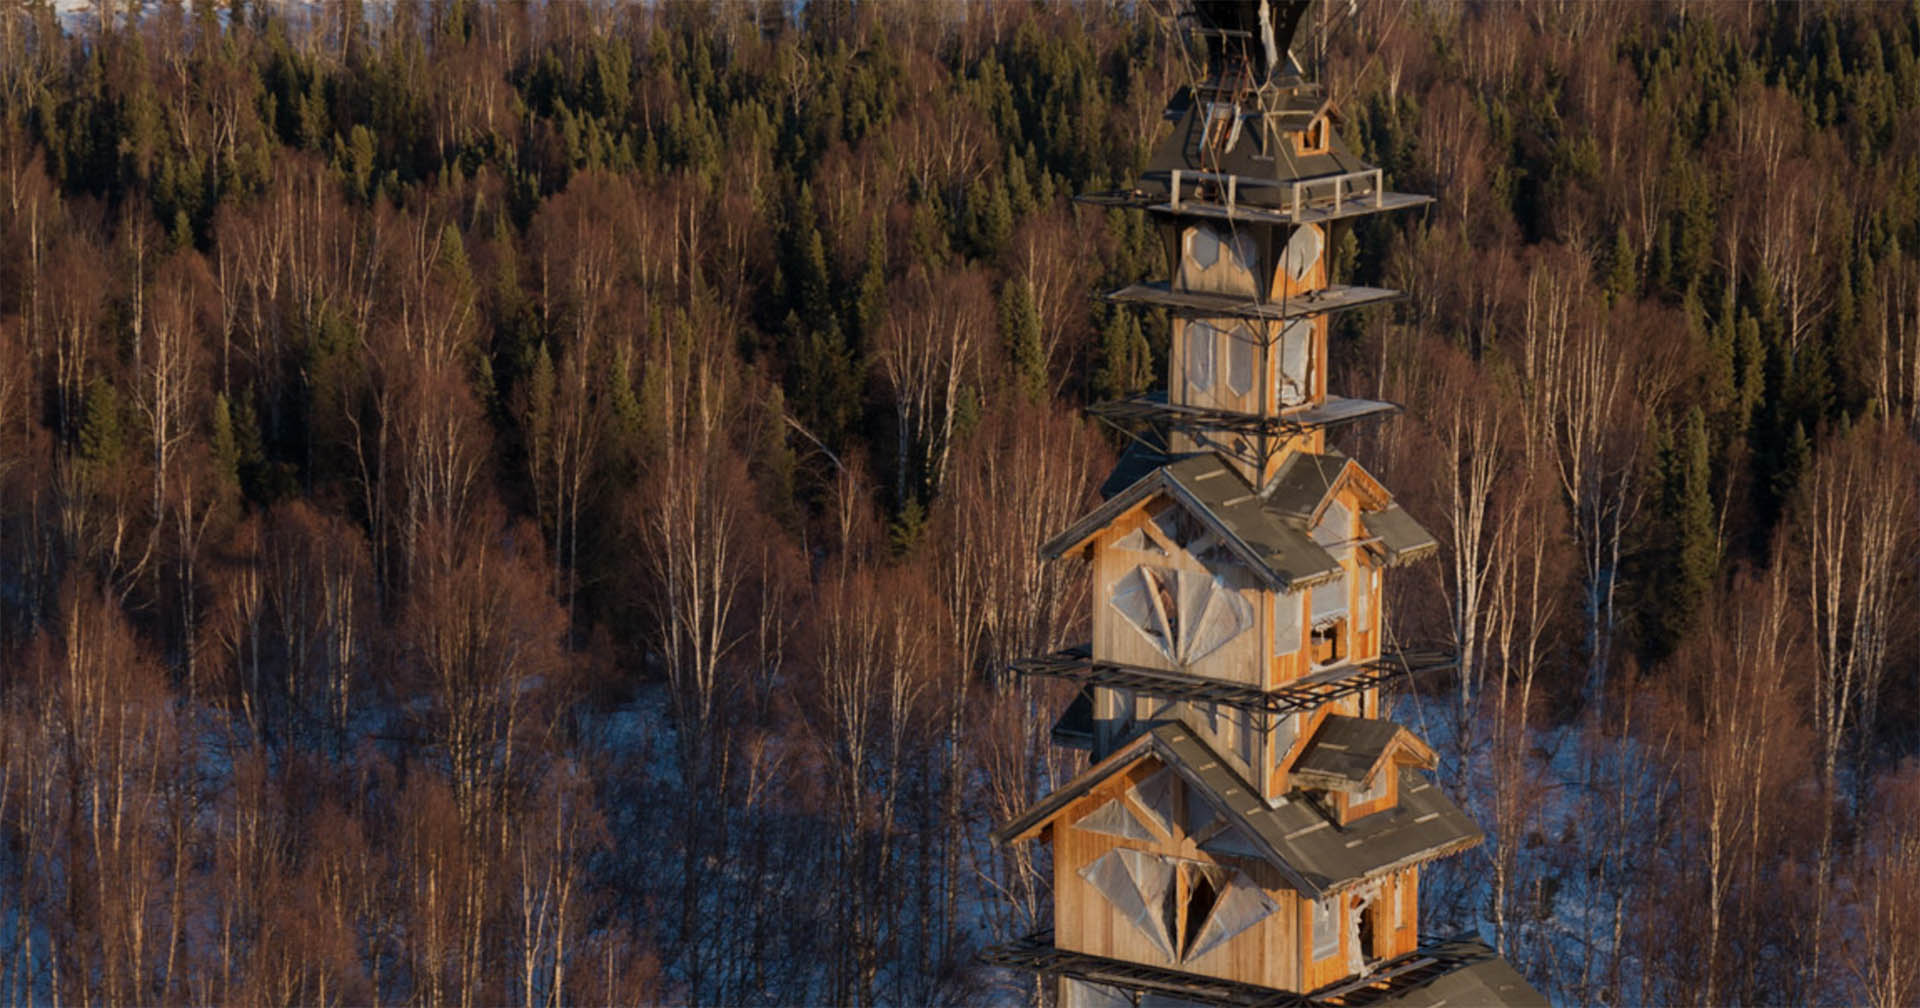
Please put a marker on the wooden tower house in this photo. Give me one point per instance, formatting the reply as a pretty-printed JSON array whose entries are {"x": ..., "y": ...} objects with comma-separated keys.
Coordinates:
[{"x": 1251, "y": 828}]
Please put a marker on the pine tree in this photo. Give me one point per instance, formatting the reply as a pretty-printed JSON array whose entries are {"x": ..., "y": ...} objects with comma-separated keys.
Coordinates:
[
  {"x": 1126, "y": 362},
  {"x": 1020, "y": 331}
]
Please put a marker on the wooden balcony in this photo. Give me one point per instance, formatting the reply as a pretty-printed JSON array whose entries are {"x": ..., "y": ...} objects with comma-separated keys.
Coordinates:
[{"x": 1265, "y": 201}]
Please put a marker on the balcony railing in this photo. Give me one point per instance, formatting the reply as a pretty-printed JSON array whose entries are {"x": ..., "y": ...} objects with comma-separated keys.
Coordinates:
[{"x": 1218, "y": 194}]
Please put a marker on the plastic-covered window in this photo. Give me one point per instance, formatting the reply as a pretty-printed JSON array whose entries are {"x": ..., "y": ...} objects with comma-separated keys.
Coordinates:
[
  {"x": 1330, "y": 600},
  {"x": 1240, "y": 357},
  {"x": 1200, "y": 340},
  {"x": 1335, "y": 525},
  {"x": 1293, "y": 382},
  {"x": 1244, "y": 252},
  {"x": 1302, "y": 251},
  {"x": 1286, "y": 623},
  {"x": 1326, "y": 926},
  {"x": 1203, "y": 246},
  {"x": 1186, "y": 614}
]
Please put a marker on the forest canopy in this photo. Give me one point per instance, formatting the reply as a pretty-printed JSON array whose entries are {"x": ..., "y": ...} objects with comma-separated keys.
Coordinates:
[{"x": 528, "y": 503}]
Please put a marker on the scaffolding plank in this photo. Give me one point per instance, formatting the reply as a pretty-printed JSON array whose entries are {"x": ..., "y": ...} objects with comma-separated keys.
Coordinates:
[
  {"x": 1077, "y": 665},
  {"x": 1335, "y": 411},
  {"x": 1430, "y": 961},
  {"x": 1334, "y": 298}
]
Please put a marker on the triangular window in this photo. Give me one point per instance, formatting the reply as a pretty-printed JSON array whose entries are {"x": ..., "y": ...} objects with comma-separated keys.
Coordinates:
[
  {"x": 1138, "y": 885},
  {"x": 1188, "y": 615},
  {"x": 1115, "y": 819},
  {"x": 1188, "y": 905}
]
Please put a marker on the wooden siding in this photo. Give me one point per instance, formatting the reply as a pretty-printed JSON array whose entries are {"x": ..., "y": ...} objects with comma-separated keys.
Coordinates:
[
  {"x": 1117, "y": 640},
  {"x": 1084, "y": 921}
]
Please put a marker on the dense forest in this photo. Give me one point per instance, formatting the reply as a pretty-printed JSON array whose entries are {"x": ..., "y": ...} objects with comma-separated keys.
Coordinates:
[{"x": 533, "y": 503}]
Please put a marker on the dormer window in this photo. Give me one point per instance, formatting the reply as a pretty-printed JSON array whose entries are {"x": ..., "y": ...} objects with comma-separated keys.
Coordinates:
[{"x": 1313, "y": 139}]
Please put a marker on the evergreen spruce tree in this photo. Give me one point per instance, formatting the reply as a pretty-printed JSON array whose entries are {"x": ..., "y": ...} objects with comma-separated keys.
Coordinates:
[{"x": 1020, "y": 331}]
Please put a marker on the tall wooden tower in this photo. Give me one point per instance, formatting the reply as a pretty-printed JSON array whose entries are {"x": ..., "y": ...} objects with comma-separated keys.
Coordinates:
[{"x": 1251, "y": 830}]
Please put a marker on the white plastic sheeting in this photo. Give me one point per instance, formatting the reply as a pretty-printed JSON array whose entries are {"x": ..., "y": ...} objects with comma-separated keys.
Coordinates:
[
  {"x": 1330, "y": 600},
  {"x": 1303, "y": 250},
  {"x": 1286, "y": 622},
  {"x": 1200, "y": 341},
  {"x": 1240, "y": 906},
  {"x": 1114, "y": 819},
  {"x": 1081, "y": 994},
  {"x": 1240, "y": 359},
  {"x": 1136, "y": 883},
  {"x": 1188, "y": 615},
  {"x": 1155, "y": 794},
  {"x": 1335, "y": 525},
  {"x": 1293, "y": 383},
  {"x": 1139, "y": 542}
]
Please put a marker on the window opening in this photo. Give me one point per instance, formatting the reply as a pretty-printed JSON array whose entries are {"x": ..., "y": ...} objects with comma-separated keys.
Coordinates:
[
  {"x": 1316, "y": 135},
  {"x": 1200, "y": 356},
  {"x": 1293, "y": 381},
  {"x": 1330, "y": 599},
  {"x": 1139, "y": 542},
  {"x": 1366, "y": 931},
  {"x": 1303, "y": 250},
  {"x": 1286, "y": 623},
  {"x": 1326, "y": 923},
  {"x": 1240, "y": 359},
  {"x": 1243, "y": 253},
  {"x": 1329, "y": 642},
  {"x": 1335, "y": 526},
  {"x": 1203, "y": 246},
  {"x": 1188, "y": 615},
  {"x": 1201, "y": 899}
]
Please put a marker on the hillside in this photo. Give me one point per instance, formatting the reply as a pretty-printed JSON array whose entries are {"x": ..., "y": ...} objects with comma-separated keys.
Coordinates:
[{"x": 520, "y": 503}]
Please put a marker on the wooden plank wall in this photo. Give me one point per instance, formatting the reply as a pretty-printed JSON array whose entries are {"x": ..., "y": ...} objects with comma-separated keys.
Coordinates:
[{"x": 1084, "y": 921}]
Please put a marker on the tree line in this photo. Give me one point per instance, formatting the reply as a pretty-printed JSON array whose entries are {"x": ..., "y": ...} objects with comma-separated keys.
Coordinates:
[{"x": 534, "y": 503}]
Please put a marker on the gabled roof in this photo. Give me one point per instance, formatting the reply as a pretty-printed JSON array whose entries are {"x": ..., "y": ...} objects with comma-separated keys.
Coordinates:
[
  {"x": 1345, "y": 752},
  {"x": 1270, "y": 533},
  {"x": 1306, "y": 480},
  {"x": 1397, "y": 536},
  {"x": 1481, "y": 978},
  {"x": 1279, "y": 553},
  {"x": 1297, "y": 837}
]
